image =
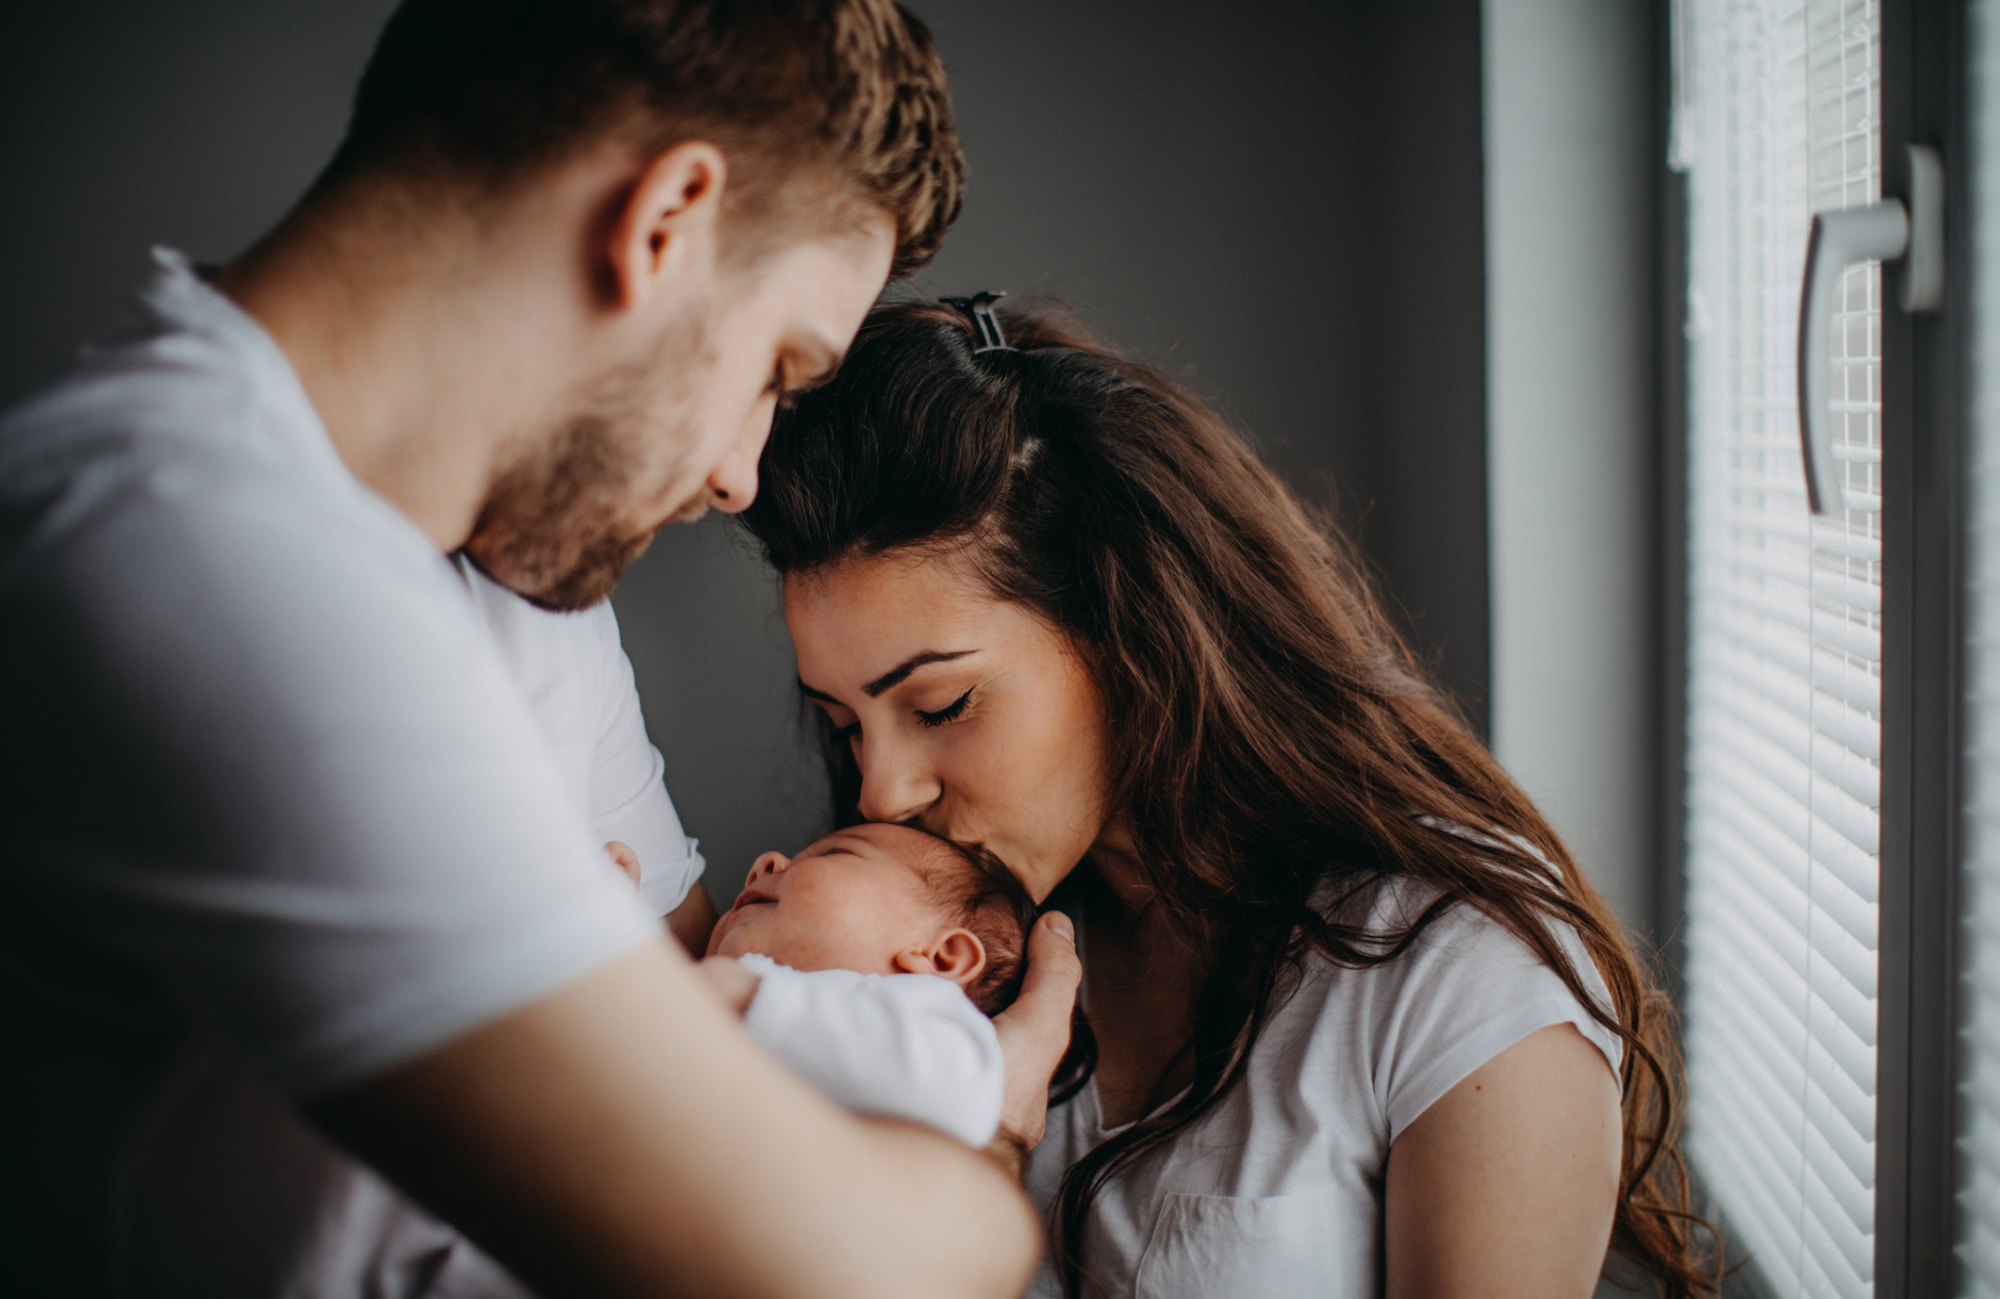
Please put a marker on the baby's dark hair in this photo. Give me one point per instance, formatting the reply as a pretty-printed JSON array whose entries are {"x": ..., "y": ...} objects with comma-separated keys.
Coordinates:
[{"x": 989, "y": 901}]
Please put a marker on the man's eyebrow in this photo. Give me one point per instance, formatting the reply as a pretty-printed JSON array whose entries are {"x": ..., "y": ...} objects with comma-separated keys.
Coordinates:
[{"x": 830, "y": 359}]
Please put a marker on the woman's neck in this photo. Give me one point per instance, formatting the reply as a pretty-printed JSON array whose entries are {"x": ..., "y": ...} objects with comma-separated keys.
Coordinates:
[
  {"x": 1116, "y": 866},
  {"x": 1142, "y": 975}
]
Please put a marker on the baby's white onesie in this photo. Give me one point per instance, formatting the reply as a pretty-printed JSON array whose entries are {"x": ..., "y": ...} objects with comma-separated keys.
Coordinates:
[{"x": 908, "y": 1045}]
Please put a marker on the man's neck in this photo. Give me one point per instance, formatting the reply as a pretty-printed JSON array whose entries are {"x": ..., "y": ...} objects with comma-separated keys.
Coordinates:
[{"x": 404, "y": 322}]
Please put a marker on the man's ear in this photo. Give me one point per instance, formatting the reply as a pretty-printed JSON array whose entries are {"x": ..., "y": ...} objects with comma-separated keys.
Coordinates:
[
  {"x": 957, "y": 954},
  {"x": 668, "y": 221}
]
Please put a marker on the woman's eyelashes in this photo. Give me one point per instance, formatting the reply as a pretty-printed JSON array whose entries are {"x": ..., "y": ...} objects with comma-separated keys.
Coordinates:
[{"x": 951, "y": 712}]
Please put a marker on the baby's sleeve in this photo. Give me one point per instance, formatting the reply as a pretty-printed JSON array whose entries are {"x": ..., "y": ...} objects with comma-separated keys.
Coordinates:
[{"x": 910, "y": 1046}]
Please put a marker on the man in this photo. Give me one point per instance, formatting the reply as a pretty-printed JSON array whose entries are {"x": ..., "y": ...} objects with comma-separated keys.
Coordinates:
[{"x": 278, "y": 822}]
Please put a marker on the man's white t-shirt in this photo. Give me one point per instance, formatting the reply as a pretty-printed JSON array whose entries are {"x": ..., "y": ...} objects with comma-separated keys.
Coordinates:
[
  {"x": 272, "y": 796},
  {"x": 1277, "y": 1191},
  {"x": 572, "y": 671}
]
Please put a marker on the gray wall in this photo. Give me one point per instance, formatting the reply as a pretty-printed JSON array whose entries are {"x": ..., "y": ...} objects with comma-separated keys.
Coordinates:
[
  {"x": 1571, "y": 133},
  {"x": 1280, "y": 203}
]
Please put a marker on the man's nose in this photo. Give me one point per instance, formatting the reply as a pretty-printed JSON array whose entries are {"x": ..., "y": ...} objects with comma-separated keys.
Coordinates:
[
  {"x": 893, "y": 789},
  {"x": 732, "y": 484}
]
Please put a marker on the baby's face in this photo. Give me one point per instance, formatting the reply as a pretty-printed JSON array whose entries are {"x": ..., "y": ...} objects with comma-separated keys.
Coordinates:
[{"x": 854, "y": 900}]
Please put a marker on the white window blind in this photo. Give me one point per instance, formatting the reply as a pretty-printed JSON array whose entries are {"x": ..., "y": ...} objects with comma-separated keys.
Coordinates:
[
  {"x": 1979, "y": 988},
  {"x": 1781, "y": 118}
]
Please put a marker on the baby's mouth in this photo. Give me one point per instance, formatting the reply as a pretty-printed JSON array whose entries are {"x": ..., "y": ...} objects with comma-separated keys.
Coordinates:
[{"x": 750, "y": 897}]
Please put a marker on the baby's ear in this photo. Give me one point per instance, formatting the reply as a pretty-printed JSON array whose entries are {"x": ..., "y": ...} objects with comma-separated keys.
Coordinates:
[{"x": 956, "y": 954}]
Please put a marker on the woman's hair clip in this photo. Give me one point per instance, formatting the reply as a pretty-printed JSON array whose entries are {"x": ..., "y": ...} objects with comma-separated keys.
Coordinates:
[{"x": 986, "y": 330}]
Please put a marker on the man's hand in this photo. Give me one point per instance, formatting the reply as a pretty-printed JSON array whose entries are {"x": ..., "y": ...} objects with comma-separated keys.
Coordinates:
[{"x": 1034, "y": 1033}]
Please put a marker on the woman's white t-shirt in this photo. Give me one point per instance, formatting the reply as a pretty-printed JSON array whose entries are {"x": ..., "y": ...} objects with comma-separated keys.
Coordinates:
[{"x": 1278, "y": 1189}]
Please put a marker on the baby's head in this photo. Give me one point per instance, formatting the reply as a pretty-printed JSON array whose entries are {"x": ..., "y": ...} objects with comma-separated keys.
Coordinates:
[{"x": 887, "y": 899}]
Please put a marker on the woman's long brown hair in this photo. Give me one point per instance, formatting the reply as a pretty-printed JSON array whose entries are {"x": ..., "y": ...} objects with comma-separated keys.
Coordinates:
[{"x": 1273, "y": 743}]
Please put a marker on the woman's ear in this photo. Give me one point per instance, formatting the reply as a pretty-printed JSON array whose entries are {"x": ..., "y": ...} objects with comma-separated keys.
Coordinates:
[{"x": 956, "y": 954}]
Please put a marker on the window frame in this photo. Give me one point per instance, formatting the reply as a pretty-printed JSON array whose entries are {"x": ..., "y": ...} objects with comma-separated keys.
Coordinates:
[{"x": 1923, "y": 417}]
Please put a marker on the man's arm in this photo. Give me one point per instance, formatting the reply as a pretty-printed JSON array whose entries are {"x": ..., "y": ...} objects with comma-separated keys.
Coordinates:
[{"x": 623, "y": 1137}]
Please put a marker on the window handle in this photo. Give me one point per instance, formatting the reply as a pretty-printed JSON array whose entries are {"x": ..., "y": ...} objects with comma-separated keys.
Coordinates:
[{"x": 1881, "y": 231}]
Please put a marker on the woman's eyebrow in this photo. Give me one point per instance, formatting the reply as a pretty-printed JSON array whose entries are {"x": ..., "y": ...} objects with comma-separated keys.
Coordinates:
[{"x": 894, "y": 677}]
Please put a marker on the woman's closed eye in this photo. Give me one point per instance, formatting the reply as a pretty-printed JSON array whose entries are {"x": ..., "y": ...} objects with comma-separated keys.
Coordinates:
[{"x": 951, "y": 712}]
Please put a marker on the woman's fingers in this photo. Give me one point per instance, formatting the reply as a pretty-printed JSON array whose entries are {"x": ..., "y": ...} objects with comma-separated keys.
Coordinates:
[{"x": 1034, "y": 1033}]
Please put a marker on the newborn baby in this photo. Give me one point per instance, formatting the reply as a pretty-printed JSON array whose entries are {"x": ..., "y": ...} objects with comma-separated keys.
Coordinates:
[{"x": 870, "y": 963}]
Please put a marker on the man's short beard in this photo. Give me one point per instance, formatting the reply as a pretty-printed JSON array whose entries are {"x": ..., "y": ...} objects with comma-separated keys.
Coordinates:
[{"x": 553, "y": 527}]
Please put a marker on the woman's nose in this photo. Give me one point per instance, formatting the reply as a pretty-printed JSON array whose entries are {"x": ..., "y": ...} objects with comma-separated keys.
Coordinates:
[{"x": 893, "y": 789}]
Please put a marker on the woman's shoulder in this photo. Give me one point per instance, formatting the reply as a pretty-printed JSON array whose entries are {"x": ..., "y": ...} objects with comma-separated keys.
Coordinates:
[
  {"x": 1408, "y": 936},
  {"x": 1459, "y": 988}
]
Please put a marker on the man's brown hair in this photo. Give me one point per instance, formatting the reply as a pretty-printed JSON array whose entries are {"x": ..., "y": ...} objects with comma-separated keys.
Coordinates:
[{"x": 848, "y": 92}]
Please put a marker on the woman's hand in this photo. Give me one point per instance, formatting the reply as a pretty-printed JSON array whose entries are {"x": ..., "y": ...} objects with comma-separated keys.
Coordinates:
[{"x": 1034, "y": 1033}]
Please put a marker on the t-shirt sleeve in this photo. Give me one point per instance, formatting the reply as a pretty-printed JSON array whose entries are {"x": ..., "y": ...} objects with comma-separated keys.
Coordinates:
[
  {"x": 278, "y": 772},
  {"x": 911, "y": 1046},
  {"x": 628, "y": 793},
  {"x": 1465, "y": 992}
]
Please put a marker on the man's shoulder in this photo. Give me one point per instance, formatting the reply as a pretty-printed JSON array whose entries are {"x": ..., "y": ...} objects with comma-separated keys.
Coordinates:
[
  {"x": 186, "y": 385},
  {"x": 161, "y": 454}
]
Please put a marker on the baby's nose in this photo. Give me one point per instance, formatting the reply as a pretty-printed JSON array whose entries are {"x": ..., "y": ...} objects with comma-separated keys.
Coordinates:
[{"x": 771, "y": 863}]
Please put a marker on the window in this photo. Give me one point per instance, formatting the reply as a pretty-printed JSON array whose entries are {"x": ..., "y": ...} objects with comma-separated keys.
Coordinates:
[{"x": 1782, "y": 118}]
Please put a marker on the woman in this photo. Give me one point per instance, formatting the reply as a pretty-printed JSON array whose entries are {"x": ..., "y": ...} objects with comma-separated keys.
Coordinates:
[{"x": 1348, "y": 1004}]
